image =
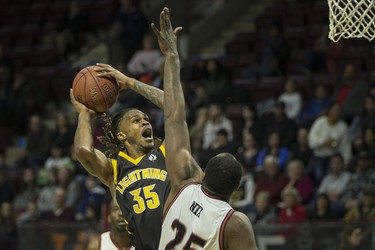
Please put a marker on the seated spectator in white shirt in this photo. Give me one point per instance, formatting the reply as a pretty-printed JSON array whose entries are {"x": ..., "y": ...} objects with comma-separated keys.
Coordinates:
[
  {"x": 292, "y": 99},
  {"x": 334, "y": 183},
  {"x": 147, "y": 60}
]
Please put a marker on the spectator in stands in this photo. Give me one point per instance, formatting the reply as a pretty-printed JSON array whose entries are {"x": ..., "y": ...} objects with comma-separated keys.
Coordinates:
[
  {"x": 92, "y": 214},
  {"x": 31, "y": 215},
  {"x": 328, "y": 136},
  {"x": 216, "y": 81},
  {"x": 262, "y": 211},
  {"x": 273, "y": 53},
  {"x": 292, "y": 99},
  {"x": 277, "y": 121},
  {"x": 72, "y": 31},
  {"x": 216, "y": 121},
  {"x": 274, "y": 148},
  {"x": 364, "y": 211},
  {"x": 127, "y": 31},
  {"x": 66, "y": 181},
  {"x": 363, "y": 120},
  {"x": 57, "y": 158},
  {"x": 335, "y": 182},
  {"x": 62, "y": 211},
  {"x": 20, "y": 101},
  {"x": 250, "y": 123},
  {"x": 322, "y": 210},
  {"x": 316, "y": 105},
  {"x": 38, "y": 142},
  {"x": 8, "y": 235},
  {"x": 324, "y": 54},
  {"x": 28, "y": 191},
  {"x": 351, "y": 238},
  {"x": 198, "y": 99},
  {"x": 220, "y": 145},
  {"x": 366, "y": 142},
  {"x": 300, "y": 181},
  {"x": 6, "y": 188},
  {"x": 63, "y": 134},
  {"x": 48, "y": 191},
  {"x": 292, "y": 211},
  {"x": 362, "y": 180},
  {"x": 300, "y": 149},
  {"x": 272, "y": 180},
  {"x": 196, "y": 131},
  {"x": 92, "y": 194},
  {"x": 316, "y": 56},
  {"x": 242, "y": 198},
  {"x": 147, "y": 60},
  {"x": 351, "y": 92},
  {"x": 247, "y": 153}
]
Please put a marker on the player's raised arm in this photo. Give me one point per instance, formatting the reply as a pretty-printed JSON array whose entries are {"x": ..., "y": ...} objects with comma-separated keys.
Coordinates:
[
  {"x": 180, "y": 164},
  {"x": 93, "y": 160},
  {"x": 151, "y": 93}
]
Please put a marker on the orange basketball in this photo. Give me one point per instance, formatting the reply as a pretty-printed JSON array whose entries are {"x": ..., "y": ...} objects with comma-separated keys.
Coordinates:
[{"x": 96, "y": 93}]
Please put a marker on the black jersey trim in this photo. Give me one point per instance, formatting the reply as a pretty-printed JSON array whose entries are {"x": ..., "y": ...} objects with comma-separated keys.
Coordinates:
[
  {"x": 222, "y": 227},
  {"x": 175, "y": 198}
]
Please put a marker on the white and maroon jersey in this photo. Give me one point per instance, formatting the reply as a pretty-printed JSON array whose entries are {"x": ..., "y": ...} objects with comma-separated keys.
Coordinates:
[
  {"x": 107, "y": 243},
  {"x": 195, "y": 219}
]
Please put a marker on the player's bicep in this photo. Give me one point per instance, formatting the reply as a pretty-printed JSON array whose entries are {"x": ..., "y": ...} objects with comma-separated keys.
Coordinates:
[{"x": 239, "y": 234}]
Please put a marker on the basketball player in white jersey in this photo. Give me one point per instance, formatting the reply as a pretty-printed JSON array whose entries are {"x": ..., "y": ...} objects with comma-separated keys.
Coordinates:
[
  {"x": 116, "y": 239},
  {"x": 196, "y": 216}
]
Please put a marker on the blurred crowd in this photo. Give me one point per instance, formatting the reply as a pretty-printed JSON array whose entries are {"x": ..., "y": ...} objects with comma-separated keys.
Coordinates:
[{"x": 305, "y": 156}]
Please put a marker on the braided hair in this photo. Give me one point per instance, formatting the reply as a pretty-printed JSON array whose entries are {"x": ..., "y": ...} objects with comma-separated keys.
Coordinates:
[{"x": 110, "y": 128}]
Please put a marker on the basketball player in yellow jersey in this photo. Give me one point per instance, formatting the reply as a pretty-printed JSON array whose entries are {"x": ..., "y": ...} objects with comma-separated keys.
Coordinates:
[
  {"x": 135, "y": 170},
  {"x": 195, "y": 215},
  {"x": 117, "y": 238}
]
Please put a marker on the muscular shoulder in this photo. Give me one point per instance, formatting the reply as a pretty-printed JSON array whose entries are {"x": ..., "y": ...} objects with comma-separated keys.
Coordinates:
[
  {"x": 238, "y": 233},
  {"x": 236, "y": 224}
]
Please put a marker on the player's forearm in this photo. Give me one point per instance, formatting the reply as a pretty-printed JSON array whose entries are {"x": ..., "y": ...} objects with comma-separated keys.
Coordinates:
[
  {"x": 155, "y": 95},
  {"x": 83, "y": 135},
  {"x": 174, "y": 95}
]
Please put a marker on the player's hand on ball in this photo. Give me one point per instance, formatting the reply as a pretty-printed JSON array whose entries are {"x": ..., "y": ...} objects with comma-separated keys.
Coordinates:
[
  {"x": 79, "y": 107},
  {"x": 105, "y": 70}
]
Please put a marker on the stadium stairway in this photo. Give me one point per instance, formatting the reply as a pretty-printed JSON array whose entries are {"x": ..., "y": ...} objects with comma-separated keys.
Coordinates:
[{"x": 244, "y": 23}]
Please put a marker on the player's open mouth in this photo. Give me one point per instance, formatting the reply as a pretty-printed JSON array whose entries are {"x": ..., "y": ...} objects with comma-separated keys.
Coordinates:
[{"x": 147, "y": 134}]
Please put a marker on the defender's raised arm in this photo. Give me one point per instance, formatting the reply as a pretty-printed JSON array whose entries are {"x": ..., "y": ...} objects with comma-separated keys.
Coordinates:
[{"x": 180, "y": 164}]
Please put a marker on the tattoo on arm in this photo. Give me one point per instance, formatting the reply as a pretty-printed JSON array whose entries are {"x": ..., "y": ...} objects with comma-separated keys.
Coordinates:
[{"x": 153, "y": 94}]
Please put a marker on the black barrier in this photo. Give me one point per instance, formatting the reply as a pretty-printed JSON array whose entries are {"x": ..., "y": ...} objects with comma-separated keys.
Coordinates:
[
  {"x": 72, "y": 236},
  {"x": 301, "y": 236}
]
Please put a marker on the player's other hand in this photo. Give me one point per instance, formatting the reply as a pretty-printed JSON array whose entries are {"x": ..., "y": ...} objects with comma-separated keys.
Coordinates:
[
  {"x": 167, "y": 37},
  {"x": 79, "y": 107},
  {"x": 105, "y": 70}
]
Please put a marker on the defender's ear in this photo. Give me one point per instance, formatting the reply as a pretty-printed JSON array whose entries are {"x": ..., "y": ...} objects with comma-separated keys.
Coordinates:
[{"x": 121, "y": 136}]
